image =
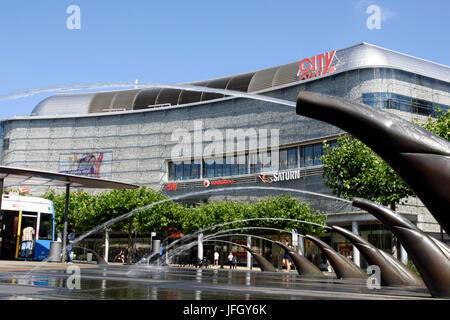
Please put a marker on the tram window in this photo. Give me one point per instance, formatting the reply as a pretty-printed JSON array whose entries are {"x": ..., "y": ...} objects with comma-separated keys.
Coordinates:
[{"x": 45, "y": 228}]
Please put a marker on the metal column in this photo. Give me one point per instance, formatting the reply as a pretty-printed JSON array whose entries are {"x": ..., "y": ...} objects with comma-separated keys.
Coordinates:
[
  {"x": 355, "y": 230},
  {"x": 249, "y": 255},
  {"x": 66, "y": 214}
]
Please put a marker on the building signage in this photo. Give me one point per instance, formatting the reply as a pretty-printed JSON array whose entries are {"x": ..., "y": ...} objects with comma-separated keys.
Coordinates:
[
  {"x": 279, "y": 176},
  {"x": 220, "y": 182},
  {"x": 93, "y": 164},
  {"x": 172, "y": 186},
  {"x": 316, "y": 66}
]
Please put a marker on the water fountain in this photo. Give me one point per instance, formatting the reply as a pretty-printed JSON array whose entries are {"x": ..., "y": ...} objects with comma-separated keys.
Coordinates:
[
  {"x": 392, "y": 271},
  {"x": 422, "y": 160},
  {"x": 263, "y": 263},
  {"x": 343, "y": 267},
  {"x": 304, "y": 266}
]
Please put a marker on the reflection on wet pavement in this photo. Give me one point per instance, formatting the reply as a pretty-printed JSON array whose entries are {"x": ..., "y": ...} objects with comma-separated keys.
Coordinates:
[{"x": 142, "y": 282}]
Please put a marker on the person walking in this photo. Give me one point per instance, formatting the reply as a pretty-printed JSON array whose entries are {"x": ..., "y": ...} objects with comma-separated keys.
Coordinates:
[
  {"x": 286, "y": 257},
  {"x": 27, "y": 241},
  {"x": 230, "y": 259},
  {"x": 70, "y": 239},
  {"x": 235, "y": 262},
  {"x": 216, "y": 258}
]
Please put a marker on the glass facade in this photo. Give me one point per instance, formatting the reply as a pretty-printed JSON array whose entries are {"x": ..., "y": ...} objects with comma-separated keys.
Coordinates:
[
  {"x": 184, "y": 170},
  {"x": 403, "y": 103},
  {"x": 310, "y": 154},
  {"x": 289, "y": 158}
]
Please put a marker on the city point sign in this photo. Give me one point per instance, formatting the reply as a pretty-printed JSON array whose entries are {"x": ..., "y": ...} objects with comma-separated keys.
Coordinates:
[{"x": 316, "y": 66}]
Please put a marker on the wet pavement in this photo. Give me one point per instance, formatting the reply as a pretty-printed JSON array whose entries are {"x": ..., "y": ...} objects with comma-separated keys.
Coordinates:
[{"x": 51, "y": 281}]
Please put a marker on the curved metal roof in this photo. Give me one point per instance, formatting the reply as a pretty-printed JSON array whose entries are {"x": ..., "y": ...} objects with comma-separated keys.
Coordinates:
[
  {"x": 355, "y": 57},
  {"x": 64, "y": 104}
]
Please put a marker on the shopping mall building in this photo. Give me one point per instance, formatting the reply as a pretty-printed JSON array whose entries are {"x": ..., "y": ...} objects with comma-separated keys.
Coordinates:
[{"x": 132, "y": 135}]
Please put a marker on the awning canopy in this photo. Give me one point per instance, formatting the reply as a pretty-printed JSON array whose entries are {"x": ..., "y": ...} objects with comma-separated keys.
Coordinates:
[{"x": 20, "y": 176}]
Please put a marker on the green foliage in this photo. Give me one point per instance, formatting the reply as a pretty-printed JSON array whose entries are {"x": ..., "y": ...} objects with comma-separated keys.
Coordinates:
[
  {"x": 81, "y": 207},
  {"x": 216, "y": 212},
  {"x": 411, "y": 265},
  {"x": 88, "y": 211},
  {"x": 352, "y": 169},
  {"x": 439, "y": 125}
]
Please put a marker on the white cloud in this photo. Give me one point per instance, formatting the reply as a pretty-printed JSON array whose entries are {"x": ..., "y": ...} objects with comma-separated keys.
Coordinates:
[{"x": 386, "y": 14}]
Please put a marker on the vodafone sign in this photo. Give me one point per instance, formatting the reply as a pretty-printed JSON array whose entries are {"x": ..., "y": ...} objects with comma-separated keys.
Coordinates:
[
  {"x": 316, "y": 66},
  {"x": 220, "y": 182}
]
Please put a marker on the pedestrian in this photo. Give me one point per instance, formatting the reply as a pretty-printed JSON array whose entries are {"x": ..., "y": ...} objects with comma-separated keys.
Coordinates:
[
  {"x": 235, "y": 262},
  {"x": 286, "y": 257},
  {"x": 216, "y": 258},
  {"x": 230, "y": 259},
  {"x": 27, "y": 241},
  {"x": 70, "y": 239}
]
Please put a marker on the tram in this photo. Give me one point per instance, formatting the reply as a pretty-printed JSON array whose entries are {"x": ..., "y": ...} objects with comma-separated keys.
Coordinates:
[{"x": 16, "y": 215}]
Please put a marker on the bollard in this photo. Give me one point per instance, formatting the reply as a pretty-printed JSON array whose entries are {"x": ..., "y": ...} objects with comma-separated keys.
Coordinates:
[{"x": 54, "y": 255}]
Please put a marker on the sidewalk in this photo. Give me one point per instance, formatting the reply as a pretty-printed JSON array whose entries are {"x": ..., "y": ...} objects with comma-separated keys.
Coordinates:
[{"x": 18, "y": 265}]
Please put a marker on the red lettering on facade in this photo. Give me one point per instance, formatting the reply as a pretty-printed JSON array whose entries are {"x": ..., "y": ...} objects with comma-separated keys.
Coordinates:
[
  {"x": 317, "y": 66},
  {"x": 172, "y": 186},
  {"x": 302, "y": 63}
]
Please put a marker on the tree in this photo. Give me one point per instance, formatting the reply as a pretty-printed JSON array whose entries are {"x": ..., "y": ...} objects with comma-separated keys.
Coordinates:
[
  {"x": 88, "y": 211},
  {"x": 219, "y": 212},
  {"x": 439, "y": 125},
  {"x": 81, "y": 209},
  {"x": 352, "y": 169}
]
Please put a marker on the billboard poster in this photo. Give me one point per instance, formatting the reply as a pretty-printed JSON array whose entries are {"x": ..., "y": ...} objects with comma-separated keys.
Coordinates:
[{"x": 90, "y": 164}]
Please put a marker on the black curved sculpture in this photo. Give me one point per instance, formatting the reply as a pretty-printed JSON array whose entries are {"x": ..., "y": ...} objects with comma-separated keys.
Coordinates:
[
  {"x": 344, "y": 268},
  {"x": 263, "y": 263},
  {"x": 303, "y": 265},
  {"x": 393, "y": 272},
  {"x": 431, "y": 261},
  {"x": 99, "y": 258},
  {"x": 421, "y": 158}
]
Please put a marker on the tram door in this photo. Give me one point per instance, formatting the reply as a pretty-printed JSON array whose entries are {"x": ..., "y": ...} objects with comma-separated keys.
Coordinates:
[
  {"x": 10, "y": 224},
  {"x": 10, "y": 236}
]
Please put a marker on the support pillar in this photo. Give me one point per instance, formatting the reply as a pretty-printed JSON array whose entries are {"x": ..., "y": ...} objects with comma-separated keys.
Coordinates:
[
  {"x": 301, "y": 245},
  {"x": 249, "y": 255},
  {"x": 1, "y": 192},
  {"x": 200, "y": 246},
  {"x": 355, "y": 230},
  {"x": 65, "y": 220},
  {"x": 106, "y": 245}
]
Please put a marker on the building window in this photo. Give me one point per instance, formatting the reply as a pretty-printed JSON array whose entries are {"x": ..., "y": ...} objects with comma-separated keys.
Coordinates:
[
  {"x": 310, "y": 154},
  {"x": 292, "y": 158},
  {"x": 6, "y": 144},
  {"x": 403, "y": 103},
  {"x": 221, "y": 167},
  {"x": 239, "y": 165},
  {"x": 184, "y": 170},
  {"x": 260, "y": 162},
  {"x": 288, "y": 158}
]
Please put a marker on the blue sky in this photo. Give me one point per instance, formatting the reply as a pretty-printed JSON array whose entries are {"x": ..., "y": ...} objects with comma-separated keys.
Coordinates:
[{"x": 177, "y": 41}]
